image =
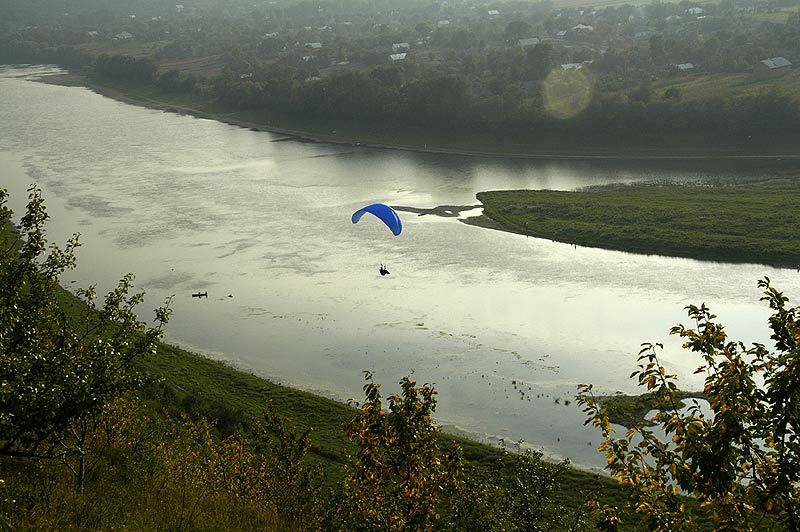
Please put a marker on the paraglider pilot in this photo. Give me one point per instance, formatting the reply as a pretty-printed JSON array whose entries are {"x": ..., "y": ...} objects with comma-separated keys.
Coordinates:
[{"x": 383, "y": 270}]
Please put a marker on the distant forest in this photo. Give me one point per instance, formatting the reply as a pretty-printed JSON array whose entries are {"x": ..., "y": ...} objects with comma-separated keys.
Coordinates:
[{"x": 507, "y": 68}]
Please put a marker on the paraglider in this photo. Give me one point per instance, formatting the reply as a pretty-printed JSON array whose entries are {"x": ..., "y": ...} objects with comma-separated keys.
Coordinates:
[{"x": 384, "y": 213}]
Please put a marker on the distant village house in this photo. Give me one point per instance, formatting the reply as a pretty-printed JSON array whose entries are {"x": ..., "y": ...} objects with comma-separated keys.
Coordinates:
[
  {"x": 774, "y": 66},
  {"x": 530, "y": 41},
  {"x": 575, "y": 66}
]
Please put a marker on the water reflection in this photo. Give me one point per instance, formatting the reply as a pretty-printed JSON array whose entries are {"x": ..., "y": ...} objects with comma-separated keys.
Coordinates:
[{"x": 506, "y": 326}]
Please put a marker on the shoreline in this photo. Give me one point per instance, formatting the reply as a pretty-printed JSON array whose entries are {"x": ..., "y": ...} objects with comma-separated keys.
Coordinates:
[{"x": 69, "y": 78}]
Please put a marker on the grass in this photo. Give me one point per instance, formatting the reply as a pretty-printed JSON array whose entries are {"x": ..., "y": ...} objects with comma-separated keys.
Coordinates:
[
  {"x": 779, "y": 15},
  {"x": 631, "y": 410},
  {"x": 704, "y": 86},
  {"x": 711, "y": 223}
]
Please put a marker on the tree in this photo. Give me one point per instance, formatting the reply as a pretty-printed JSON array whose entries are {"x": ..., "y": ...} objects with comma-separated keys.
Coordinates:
[
  {"x": 742, "y": 463},
  {"x": 516, "y": 30},
  {"x": 643, "y": 93},
  {"x": 58, "y": 372},
  {"x": 673, "y": 93},
  {"x": 539, "y": 60},
  {"x": 441, "y": 101},
  {"x": 656, "y": 46},
  {"x": 513, "y": 493},
  {"x": 399, "y": 473}
]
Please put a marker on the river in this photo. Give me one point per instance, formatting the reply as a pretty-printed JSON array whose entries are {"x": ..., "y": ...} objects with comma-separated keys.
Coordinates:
[{"x": 505, "y": 326}]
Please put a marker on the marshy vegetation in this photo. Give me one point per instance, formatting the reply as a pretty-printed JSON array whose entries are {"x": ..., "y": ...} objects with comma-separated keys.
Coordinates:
[{"x": 729, "y": 224}]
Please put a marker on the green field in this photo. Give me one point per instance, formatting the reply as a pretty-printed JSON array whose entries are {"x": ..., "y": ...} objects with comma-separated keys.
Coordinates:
[
  {"x": 711, "y": 223},
  {"x": 705, "y": 86}
]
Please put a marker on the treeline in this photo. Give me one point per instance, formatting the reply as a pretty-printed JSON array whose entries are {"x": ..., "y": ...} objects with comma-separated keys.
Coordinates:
[
  {"x": 126, "y": 68},
  {"x": 452, "y": 103},
  {"x": 17, "y": 50}
]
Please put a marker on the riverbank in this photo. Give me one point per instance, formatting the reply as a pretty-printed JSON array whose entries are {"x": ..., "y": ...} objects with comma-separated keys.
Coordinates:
[
  {"x": 387, "y": 136},
  {"x": 723, "y": 224}
]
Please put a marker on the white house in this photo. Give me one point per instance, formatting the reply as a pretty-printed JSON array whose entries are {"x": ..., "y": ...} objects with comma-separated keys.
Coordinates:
[
  {"x": 685, "y": 66},
  {"x": 530, "y": 41},
  {"x": 493, "y": 12},
  {"x": 314, "y": 45},
  {"x": 123, "y": 36},
  {"x": 179, "y": 7},
  {"x": 397, "y": 57},
  {"x": 575, "y": 66},
  {"x": 583, "y": 27},
  {"x": 444, "y": 23},
  {"x": 396, "y": 47},
  {"x": 695, "y": 11}
]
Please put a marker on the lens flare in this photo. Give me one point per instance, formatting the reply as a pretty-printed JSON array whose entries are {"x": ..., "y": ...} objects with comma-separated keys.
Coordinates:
[{"x": 567, "y": 92}]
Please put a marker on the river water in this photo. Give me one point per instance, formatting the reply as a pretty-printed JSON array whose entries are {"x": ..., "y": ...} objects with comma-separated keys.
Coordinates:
[{"x": 504, "y": 325}]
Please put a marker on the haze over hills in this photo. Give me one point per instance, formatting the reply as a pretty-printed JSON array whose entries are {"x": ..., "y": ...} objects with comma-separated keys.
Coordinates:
[{"x": 667, "y": 76}]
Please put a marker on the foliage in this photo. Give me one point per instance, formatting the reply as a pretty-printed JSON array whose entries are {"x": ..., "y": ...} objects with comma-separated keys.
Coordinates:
[
  {"x": 126, "y": 68},
  {"x": 58, "y": 375},
  {"x": 162, "y": 473},
  {"x": 265, "y": 466},
  {"x": 399, "y": 474},
  {"x": 742, "y": 462},
  {"x": 516, "y": 493},
  {"x": 400, "y": 479}
]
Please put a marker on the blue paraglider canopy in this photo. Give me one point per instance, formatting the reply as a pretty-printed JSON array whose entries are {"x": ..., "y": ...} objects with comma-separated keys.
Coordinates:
[{"x": 385, "y": 213}]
